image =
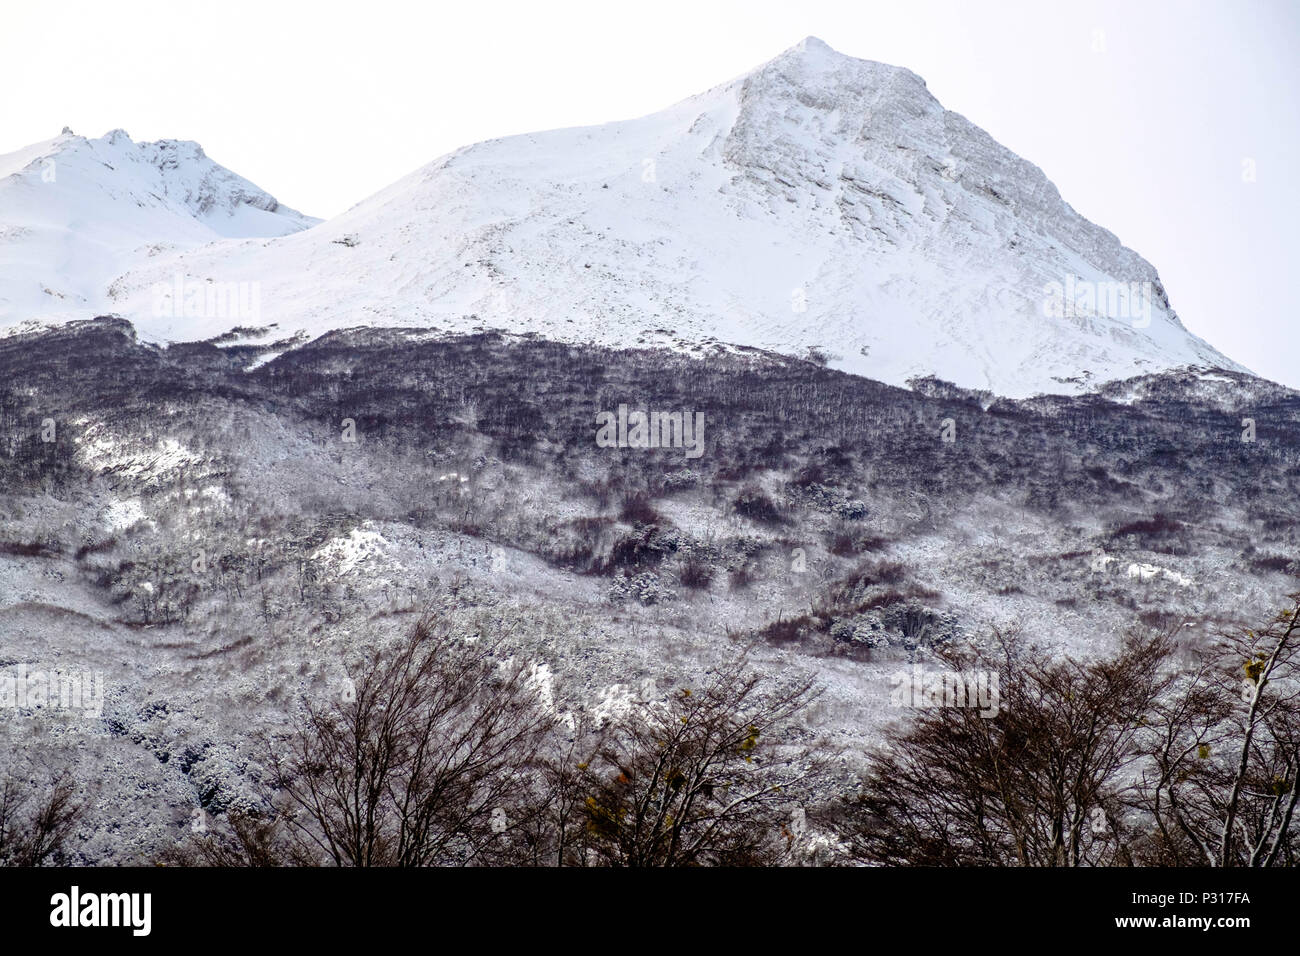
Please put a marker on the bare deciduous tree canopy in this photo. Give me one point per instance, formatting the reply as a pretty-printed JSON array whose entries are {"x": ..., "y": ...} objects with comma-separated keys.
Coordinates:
[
  {"x": 1224, "y": 776},
  {"x": 423, "y": 764},
  {"x": 38, "y": 814},
  {"x": 1131, "y": 759},
  {"x": 707, "y": 777}
]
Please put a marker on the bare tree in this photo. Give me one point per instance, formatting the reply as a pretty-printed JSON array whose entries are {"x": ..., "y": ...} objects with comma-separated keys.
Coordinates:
[
  {"x": 1039, "y": 784},
  {"x": 236, "y": 839},
  {"x": 555, "y": 834},
  {"x": 1225, "y": 771},
  {"x": 706, "y": 777},
  {"x": 36, "y": 817},
  {"x": 432, "y": 762}
]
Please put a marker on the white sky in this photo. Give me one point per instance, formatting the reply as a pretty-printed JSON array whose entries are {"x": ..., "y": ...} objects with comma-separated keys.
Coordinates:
[{"x": 1143, "y": 126}]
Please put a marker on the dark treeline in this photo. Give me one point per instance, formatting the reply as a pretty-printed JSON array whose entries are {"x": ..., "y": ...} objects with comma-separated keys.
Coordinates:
[
  {"x": 790, "y": 445},
  {"x": 538, "y": 401}
]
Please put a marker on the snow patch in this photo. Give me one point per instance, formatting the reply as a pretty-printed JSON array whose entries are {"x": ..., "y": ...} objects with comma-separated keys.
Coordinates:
[
  {"x": 123, "y": 515},
  {"x": 1146, "y": 572},
  {"x": 359, "y": 550}
]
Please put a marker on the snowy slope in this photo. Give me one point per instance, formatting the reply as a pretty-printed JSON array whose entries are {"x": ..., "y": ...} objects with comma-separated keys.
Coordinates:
[
  {"x": 75, "y": 212},
  {"x": 818, "y": 202}
]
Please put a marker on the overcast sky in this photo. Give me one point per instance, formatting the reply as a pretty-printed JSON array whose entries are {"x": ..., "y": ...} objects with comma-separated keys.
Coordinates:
[{"x": 1173, "y": 124}]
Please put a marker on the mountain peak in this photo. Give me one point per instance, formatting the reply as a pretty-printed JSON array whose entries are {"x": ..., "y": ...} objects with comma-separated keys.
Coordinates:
[
  {"x": 815, "y": 52},
  {"x": 75, "y": 212},
  {"x": 819, "y": 204},
  {"x": 814, "y": 46}
]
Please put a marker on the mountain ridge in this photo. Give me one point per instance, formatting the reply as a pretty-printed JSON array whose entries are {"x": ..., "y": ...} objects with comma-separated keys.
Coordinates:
[
  {"x": 75, "y": 212},
  {"x": 817, "y": 205}
]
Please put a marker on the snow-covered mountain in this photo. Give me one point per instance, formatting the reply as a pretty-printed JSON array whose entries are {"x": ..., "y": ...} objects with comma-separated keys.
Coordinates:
[
  {"x": 820, "y": 203},
  {"x": 218, "y": 535},
  {"x": 76, "y": 212}
]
